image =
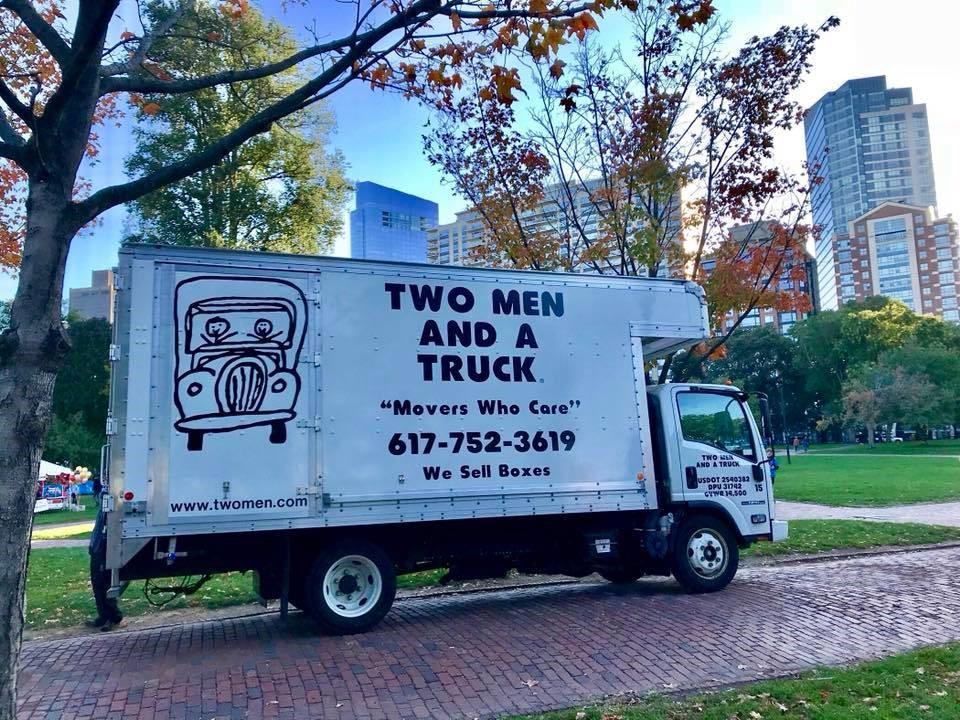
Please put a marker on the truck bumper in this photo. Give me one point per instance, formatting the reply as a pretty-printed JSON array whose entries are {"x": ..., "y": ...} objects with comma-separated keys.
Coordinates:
[{"x": 780, "y": 530}]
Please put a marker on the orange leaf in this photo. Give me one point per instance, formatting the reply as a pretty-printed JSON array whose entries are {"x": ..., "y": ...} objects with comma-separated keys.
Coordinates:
[
  {"x": 455, "y": 21},
  {"x": 556, "y": 70},
  {"x": 151, "y": 108}
]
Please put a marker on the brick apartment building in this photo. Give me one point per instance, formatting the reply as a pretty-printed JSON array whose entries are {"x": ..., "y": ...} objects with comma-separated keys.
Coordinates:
[{"x": 904, "y": 252}]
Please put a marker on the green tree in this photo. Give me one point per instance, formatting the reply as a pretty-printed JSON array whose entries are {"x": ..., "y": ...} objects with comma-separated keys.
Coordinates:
[
  {"x": 941, "y": 366},
  {"x": 831, "y": 344},
  {"x": 70, "y": 442},
  {"x": 82, "y": 389},
  {"x": 81, "y": 396},
  {"x": 281, "y": 191},
  {"x": 876, "y": 394},
  {"x": 763, "y": 360}
]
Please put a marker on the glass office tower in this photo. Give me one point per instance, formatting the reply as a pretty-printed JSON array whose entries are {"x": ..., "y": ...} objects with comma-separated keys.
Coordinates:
[
  {"x": 867, "y": 143},
  {"x": 390, "y": 225}
]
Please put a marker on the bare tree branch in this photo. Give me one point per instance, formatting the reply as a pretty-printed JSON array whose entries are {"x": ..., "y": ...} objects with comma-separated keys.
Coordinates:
[
  {"x": 10, "y": 99},
  {"x": 41, "y": 29},
  {"x": 111, "y": 84},
  {"x": 147, "y": 41},
  {"x": 8, "y": 135}
]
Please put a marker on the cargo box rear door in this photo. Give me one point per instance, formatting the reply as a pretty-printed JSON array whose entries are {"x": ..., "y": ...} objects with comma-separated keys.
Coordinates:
[{"x": 234, "y": 383}]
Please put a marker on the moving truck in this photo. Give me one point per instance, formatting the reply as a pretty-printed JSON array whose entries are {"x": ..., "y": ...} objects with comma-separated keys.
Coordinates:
[{"x": 330, "y": 423}]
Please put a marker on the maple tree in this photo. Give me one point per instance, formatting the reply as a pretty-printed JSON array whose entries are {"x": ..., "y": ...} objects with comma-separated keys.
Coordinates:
[
  {"x": 618, "y": 139},
  {"x": 60, "y": 77}
]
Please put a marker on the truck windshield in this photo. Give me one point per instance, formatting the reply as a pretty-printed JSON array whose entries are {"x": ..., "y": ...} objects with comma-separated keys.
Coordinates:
[{"x": 717, "y": 420}]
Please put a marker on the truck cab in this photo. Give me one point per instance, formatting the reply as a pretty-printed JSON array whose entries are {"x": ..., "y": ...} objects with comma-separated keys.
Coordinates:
[{"x": 711, "y": 460}]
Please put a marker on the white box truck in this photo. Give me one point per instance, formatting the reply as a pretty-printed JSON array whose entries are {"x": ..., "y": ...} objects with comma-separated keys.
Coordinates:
[{"x": 331, "y": 423}]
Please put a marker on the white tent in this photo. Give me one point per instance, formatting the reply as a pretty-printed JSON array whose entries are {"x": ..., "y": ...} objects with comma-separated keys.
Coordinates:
[{"x": 48, "y": 468}]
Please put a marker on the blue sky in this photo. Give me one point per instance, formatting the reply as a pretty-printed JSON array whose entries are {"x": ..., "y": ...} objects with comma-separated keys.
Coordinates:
[{"x": 379, "y": 133}]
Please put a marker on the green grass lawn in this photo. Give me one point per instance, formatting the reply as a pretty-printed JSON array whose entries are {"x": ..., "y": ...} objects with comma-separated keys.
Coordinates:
[
  {"x": 56, "y": 517},
  {"x": 921, "y": 684},
  {"x": 863, "y": 480},
  {"x": 913, "y": 447},
  {"x": 58, "y": 590},
  {"x": 813, "y": 536}
]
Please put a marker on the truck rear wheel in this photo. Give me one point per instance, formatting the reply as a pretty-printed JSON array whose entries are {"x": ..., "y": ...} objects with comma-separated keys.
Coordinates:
[
  {"x": 705, "y": 554},
  {"x": 351, "y": 587}
]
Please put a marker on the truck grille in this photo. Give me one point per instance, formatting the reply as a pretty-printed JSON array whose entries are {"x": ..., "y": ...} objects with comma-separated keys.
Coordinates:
[{"x": 245, "y": 387}]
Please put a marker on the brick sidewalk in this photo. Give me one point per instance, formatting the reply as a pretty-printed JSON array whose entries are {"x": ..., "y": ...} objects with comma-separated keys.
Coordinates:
[{"x": 505, "y": 652}]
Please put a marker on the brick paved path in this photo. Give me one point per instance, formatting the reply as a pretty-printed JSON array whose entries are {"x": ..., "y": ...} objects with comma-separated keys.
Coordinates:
[{"x": 505, "y": 652}]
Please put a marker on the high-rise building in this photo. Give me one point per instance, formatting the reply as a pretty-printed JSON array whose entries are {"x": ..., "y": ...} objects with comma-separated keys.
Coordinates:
[
  {"x": 390, "y": 225},
  {"x": 904, "y": 252},
  {"x": 564, "y": 212},
  {"x": 867, "y": 143},
  {"x": 95, "y": 301}
]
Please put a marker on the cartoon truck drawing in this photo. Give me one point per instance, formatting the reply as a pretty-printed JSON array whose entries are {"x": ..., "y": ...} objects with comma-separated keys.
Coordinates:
[{"x": 238, "y": 346}]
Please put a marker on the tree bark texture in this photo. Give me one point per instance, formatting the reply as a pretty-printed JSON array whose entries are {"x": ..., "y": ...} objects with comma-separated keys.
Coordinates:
[{"x": 31, "y": 352}]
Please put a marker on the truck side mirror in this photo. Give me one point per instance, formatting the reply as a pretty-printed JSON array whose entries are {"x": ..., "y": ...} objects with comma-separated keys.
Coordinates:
[{"x": 766, "y": 428}]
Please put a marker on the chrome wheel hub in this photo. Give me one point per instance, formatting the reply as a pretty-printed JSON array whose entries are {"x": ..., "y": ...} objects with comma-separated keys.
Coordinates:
[{"x": 707, "y": 553}]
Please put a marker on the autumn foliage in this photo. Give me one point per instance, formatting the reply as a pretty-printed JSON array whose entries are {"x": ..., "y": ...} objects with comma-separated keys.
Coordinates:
[{"x": 643, "y": 159}]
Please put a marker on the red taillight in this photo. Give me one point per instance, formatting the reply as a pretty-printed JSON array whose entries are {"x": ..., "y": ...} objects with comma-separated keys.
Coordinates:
[{"x": 128, "y": 495}]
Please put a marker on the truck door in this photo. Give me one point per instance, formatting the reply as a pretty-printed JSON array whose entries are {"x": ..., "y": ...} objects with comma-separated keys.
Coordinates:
[{"x": 720, "y": 456}]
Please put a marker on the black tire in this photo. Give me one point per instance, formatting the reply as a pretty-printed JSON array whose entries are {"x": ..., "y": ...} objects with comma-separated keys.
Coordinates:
[
  {"x": 619, "y": 576},
  {"x": 701, "y": 569},
  {"x": 322, "y": 600}
]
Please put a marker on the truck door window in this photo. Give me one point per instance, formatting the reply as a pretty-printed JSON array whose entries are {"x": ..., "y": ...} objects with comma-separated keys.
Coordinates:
[{"x": 716, "y": 420}]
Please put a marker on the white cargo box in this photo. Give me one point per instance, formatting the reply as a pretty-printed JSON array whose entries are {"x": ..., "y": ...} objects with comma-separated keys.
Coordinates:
[{"x": 257, "y": 391}]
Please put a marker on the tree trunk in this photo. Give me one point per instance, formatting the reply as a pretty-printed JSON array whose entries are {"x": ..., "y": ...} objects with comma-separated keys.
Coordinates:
[
  {"x": 31, "y": 352},
  {"x": 870, "y": 435}
]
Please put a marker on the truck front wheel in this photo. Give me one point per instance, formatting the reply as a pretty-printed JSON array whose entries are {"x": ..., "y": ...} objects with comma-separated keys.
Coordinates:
[
  {"x": 351, "y": 587},
  {"x": 705, "y": 554}
]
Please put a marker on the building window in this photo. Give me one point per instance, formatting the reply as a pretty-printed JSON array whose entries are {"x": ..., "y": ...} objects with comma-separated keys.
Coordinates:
[
  {"x": 924, "y": 266},
  {"x": 922, "y": 254},
  {"x": 948, "y": 290},
  {"x": 947, "y": 278},
  {"x": 945, "y": 266},
  {"x": 927, "y": 291},
  {"x": 949, "y": 303},
  {"x": 951, "y": 315},
  {"x": 944, "y": 253}
]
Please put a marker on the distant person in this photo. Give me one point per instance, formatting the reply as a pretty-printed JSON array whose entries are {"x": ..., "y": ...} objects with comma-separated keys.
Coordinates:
[
  {"x": 774, "y": 465},
  {"x": 796, "y": 444},
  {"x": 806, "y": 443}
]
